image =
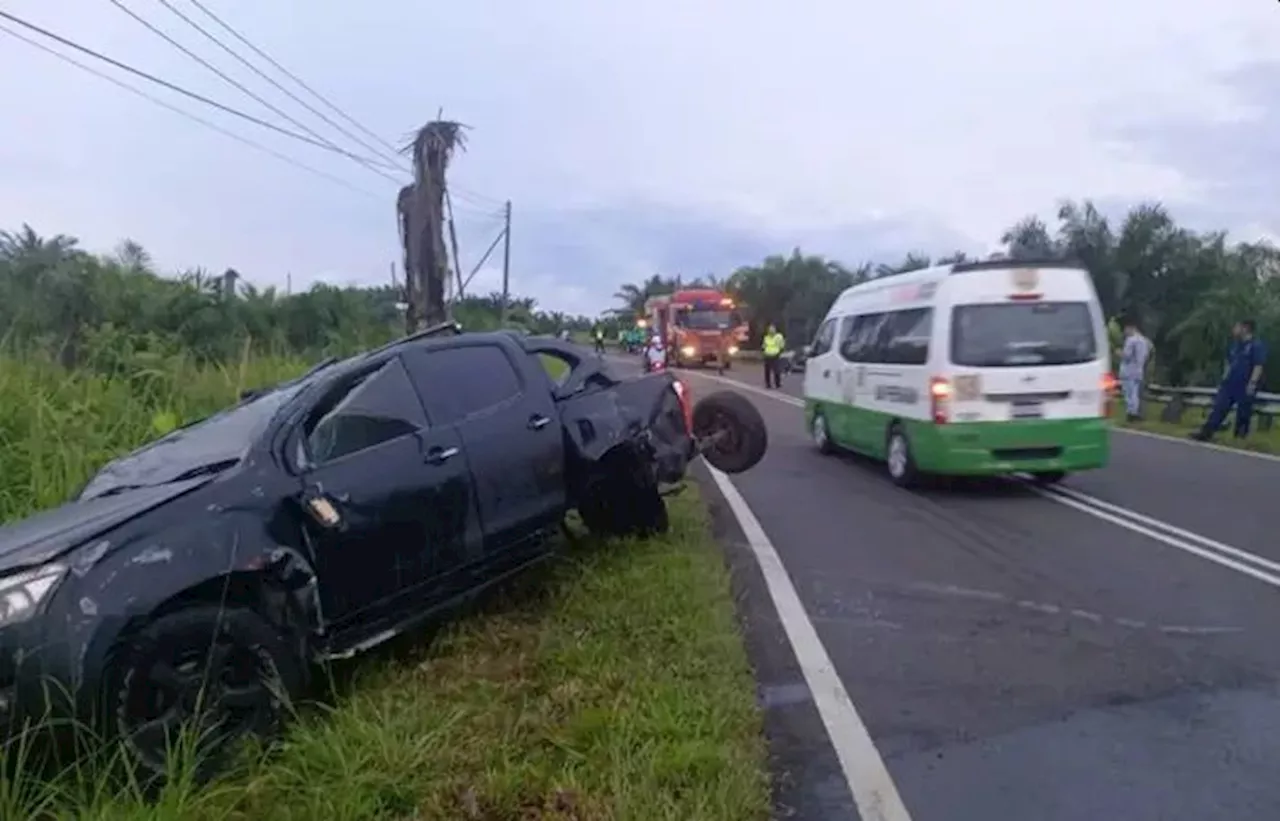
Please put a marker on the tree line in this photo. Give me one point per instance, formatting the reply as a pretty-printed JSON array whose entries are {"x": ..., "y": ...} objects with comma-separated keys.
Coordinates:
[
  {"x": 1184, "y": 288},
  {"x": 117, "y": 311}
]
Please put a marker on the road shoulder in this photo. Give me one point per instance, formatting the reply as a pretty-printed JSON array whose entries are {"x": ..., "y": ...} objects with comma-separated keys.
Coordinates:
[{"x": 808, "y": 783}]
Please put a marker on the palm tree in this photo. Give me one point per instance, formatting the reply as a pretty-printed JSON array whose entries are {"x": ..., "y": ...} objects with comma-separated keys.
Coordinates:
[{"x": 420, "y": 208}]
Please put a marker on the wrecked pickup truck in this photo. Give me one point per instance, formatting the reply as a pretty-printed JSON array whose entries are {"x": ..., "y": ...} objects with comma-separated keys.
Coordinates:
[{"x": 198, "y": 580}]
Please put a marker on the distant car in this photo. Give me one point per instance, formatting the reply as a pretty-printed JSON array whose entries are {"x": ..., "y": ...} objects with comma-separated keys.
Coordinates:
[
  {"x": 793, "y": 361},
  {"x": 323, "y": 516}
]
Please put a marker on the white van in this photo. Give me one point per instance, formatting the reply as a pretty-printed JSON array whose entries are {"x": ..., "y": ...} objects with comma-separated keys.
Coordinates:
[{"x": 977, "y": 368}]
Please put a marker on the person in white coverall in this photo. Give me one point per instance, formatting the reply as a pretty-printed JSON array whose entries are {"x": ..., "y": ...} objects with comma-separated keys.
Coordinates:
[
  {"x": 1134, "y": 357},
  {"x": 655, "y": 353}
]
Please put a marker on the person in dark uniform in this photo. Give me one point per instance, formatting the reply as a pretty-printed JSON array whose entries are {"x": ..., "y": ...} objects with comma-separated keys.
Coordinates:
[{"x": 1245, "y": 358}]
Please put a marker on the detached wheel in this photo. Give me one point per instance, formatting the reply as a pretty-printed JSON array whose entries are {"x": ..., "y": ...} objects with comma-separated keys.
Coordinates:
[
  {"x": 898, "y": 460},
  {"x": 730, "y": 431},
  {"x": 822, "y": 434},
  {"x": 201, "y": 680}
]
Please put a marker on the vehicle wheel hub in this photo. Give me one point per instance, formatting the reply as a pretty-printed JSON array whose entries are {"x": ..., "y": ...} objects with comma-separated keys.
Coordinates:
[
  {"x": 820, "y": 431},
  {"x": 897, "y": 456}
]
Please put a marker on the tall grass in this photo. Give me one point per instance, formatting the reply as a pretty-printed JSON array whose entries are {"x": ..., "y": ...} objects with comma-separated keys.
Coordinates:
[{"x": 58, "y": 426}]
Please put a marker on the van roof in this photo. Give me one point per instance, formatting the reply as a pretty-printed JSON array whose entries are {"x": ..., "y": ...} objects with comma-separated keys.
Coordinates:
[
  {"x": 997, "y": 264},
  {"x": 936, "y": 273}
]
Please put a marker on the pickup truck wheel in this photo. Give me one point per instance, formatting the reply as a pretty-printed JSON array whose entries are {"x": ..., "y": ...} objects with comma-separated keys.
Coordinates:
[
  {"x": 623, "y": 501},
  {"x": 212, "y": 674},
  {"x": 731, "y": 433}
]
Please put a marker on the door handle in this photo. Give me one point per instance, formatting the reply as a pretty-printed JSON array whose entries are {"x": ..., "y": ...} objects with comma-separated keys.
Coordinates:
[
  {"x": 538, "y": 422},
  {"x": 438, "y": 456}
]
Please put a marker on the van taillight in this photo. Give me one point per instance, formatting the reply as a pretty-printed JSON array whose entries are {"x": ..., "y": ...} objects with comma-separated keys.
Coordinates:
[
  {"x": 940, "y": 400},
  {"x": 686, "y": 403},
  {"x": 1109, "y": 387}
]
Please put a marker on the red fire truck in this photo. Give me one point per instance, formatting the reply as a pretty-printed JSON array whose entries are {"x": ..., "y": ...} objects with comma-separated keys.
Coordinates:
[{"x": 701, "y": 326}]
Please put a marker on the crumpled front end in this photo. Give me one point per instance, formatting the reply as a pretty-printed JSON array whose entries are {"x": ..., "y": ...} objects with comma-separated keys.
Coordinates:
[{"x": 645, "y": 414}]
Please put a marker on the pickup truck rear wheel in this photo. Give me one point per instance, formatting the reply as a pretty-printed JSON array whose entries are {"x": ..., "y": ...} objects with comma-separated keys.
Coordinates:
[
  {"x": 623, "y": 500},
  {"x": 731, "y": 433}
]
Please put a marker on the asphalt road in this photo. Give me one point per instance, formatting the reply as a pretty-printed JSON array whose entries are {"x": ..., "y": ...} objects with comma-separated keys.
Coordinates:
[{"x": 1109, "y": 651}]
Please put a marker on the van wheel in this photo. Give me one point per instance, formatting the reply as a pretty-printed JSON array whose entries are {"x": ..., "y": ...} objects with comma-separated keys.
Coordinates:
[
  {"x": 898, "y": 460},
  {"x": 821, "y": 434}
]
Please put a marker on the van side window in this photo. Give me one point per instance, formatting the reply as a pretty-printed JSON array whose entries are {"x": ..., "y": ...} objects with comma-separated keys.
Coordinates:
[
  {"x": 823, "y": 339},
  {"x": 860, "y": 338},
  {"x": 906, "y": 337}
]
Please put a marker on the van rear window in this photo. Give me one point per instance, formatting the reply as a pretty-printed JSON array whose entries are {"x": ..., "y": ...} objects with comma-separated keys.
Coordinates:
[{"x": 1007, "y": 335}]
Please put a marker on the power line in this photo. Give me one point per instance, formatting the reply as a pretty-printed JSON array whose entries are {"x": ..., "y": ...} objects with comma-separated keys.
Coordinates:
[
  {"x": 291, "y": 75},
  {"x": 240, "y": 86},
  {"x": 395, "y": 158},
  {"x": 476, "y": 197},
  {"x": 207, "y": 124},
  {"x": 174, "y": 87}
]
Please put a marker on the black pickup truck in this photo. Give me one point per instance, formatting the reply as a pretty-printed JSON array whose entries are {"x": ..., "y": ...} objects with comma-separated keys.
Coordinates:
[{"x": 320, "y": 517}]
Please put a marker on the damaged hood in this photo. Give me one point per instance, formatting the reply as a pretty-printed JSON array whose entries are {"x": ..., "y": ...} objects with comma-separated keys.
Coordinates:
[{"x": 49, "y": 534}]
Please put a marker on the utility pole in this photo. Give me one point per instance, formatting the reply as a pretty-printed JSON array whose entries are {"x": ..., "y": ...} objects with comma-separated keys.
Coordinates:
[{"x": 506, "y": 262}]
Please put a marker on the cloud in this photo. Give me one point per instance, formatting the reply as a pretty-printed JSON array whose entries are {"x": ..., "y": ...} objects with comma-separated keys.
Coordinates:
[{"x": 664, "y": 136}]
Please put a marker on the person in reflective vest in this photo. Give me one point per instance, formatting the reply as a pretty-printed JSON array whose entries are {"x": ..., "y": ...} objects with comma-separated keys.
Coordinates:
[
  {"x": 1245, "y": 358},
  {"x": 771, "y": 348}
]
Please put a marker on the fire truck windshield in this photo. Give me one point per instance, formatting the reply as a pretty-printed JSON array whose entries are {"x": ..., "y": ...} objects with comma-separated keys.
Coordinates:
[{"x": 706, "y": 320}]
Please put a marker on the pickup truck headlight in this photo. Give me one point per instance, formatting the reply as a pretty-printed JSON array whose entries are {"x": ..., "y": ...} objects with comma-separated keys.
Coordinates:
[
  {"x": 22, "y": 593},
  {"x": 733, "y": 350},
  {"x": 688, "y": 350}
]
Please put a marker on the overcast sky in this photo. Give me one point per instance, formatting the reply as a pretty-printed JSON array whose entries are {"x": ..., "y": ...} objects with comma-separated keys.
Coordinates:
[{"x": 674, "y": 136}]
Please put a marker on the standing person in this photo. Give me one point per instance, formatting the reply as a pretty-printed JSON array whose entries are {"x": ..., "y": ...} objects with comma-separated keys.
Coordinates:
[
  {"x": 655, "y": 356},
  {"x": 771, "y": 347},
  {"x": 597, "y": 333},
  {"x": 1240, "y": 380},
  {"x": 1133, "y": 368}
]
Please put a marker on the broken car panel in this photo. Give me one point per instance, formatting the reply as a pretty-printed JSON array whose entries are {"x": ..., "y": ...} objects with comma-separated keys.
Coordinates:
[{"x": 320, "y": 517}]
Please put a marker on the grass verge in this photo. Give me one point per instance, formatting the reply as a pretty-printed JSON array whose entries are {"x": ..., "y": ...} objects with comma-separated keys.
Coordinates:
[
  {"x": 611, "y": 684},
  {"x": 1259, "y": 441}
]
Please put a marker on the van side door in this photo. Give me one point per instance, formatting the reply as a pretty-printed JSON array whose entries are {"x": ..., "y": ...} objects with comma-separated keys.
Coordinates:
[
  {"x": 896, "y": 379},
  {"x": 506, "y": 414},
  {"x": 820, "y": 367},
  {"x": 858, "y": 349}
]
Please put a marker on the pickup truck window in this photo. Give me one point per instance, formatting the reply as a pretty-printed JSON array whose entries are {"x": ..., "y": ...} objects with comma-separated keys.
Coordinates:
[
  {"x": 378, "y": 408},
  {"x": 460, "y": 382}
]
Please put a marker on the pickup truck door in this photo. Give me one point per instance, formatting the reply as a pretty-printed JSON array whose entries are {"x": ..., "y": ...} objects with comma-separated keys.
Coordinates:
[
  {"x": 401, "y": 491},
  {"x": 500, "y": 399}
]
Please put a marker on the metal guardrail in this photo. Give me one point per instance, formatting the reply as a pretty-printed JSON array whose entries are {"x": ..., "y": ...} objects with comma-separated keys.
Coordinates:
[{"x": 1177, "y": 401}]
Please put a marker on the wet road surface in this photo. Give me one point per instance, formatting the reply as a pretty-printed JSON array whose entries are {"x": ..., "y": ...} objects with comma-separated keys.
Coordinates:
[{"x": 1104, "y": 651}]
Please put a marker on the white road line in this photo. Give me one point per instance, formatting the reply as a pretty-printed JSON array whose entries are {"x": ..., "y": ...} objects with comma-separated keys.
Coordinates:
[
  {"x": 873, "y": 789},
  {"x": 733, "y": 383},
  {"x": 1165, "y": 536},
  {"x": 1176, "y": 532},
  {"x": 1193, "y": 443}
]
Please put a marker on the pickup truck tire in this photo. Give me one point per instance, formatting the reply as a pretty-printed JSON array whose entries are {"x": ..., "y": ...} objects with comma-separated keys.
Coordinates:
[
  {"x": 622, "y": 499},
  {"x": 731, "y": 433}
]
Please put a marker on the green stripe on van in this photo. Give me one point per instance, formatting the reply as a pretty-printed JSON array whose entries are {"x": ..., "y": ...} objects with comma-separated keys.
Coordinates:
[{"x": 973, "y": 448}]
